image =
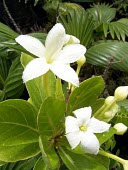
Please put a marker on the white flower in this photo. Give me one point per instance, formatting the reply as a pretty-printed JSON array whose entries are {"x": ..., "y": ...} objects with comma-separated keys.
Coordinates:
[
  {"x": 53, "y": 56},
  {"x": 121, "y": 128},
  {"x": 121, "y": 93},
  {"x": 80, "y": 130}
]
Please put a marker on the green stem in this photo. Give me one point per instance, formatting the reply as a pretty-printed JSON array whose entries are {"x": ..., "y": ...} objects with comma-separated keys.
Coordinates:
[
  {"x": 115, "y": 157},
  {"x": 78, "y": 69},
  {"x": 103, "y": 109},
  {"x": 46, "y": 83}
]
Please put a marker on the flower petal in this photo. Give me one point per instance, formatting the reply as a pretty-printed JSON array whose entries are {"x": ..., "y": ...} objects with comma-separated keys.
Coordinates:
[
  {"x": 97, "y": 126},
  {"x": 35, "y": 68},
  {"x": 71, "y": 53},
  {"x": 73, "y": 139},
  {"x": 89, "y": 143},
  {"x": 71, "y": 124},
  {"x": 83, "y": 115},
  {"x": 65, "y": 72},
  {"x": 55, "y": 39},
  {"x": 31, "y": 44}
]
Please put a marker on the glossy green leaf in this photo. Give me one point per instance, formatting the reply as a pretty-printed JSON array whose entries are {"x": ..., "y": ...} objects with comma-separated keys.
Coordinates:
[
  {"x": 83, "y": 161},
  {"x": 14, "y": 84},
  {"x": 103, "y": 52},
  {"x": 40, "y": 165},
  {"x": 50, "y": 119},
  {"x": 20, "y": 165},
  {"x": 4, "y": 66},
  {"x": 103, "y": 137},
  {"x": 41, "y": 87},
  {"x": 86, "y": 94},
  {"x": 50, "y": 116},
  {"x": 18, "y": 129},
  {"x": 6, "y": 32}
]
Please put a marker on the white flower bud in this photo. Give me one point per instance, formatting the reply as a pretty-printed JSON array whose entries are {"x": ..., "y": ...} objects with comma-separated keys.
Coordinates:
[
  {"x": 109, "y": 100},
  {"x": 121, "y": 93},
  {"x": 81, "y": 61},
  {"x": 111, "y": 112},
  {"x": 121, "y": 128},
  {"x": 70, "y": 39}
]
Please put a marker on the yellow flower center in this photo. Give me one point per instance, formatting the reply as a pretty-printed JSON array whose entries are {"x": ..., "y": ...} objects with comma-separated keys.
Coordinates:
[{"x": 83, "y": 128}]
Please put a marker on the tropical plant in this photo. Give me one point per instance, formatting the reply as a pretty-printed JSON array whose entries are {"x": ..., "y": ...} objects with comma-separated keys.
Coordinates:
[{"x": 104, "y": 39}]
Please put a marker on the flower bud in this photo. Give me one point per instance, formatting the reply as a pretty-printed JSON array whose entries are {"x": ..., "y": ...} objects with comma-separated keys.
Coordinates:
[
  {"x": 121, "y": 93},
  {"x": 70, "y": 39},
  {"x": 109, "y": 114},
  {"x": 109, "y": 100},
  {"x": 121, "y": 128},
  {"x": 81, "y": 61}
]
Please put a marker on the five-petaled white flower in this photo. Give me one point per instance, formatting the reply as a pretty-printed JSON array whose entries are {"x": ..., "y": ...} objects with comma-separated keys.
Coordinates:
[
  {"x": 80, "y": 130},
  {"x": 53, "y": 56}
]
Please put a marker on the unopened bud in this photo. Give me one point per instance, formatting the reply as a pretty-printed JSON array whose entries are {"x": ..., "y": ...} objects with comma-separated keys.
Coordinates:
[
  {"x": 109, "y": 100},
  {"x": 111, "y": 112},
  {"x": 121, "y": 93},
  {"x": 81, "y": 61},
  {"x": 121, "y": 128},
  {"x": 70, "y": 39}
]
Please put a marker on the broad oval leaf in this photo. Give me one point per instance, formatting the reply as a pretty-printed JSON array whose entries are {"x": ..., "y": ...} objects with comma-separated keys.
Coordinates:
[
  {"x": 50, "y": 127},
  {"x": 83, "y": 161},
  {"x": 86, "y": 94},
  {"x": 18, "y": 129},
  {"x": 41, "y": 87}
]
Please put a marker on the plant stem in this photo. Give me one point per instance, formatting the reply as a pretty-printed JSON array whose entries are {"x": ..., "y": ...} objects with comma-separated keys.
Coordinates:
[{"x": 115, "y": 157}]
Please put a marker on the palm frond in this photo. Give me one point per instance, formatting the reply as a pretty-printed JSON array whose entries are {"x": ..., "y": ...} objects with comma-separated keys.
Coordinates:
[
  {"x": 105, "y": 51},
  {"x": 116, "y": 29},
  {"x": 102, "y": 13},
  {"x": 79, "y": 24}
]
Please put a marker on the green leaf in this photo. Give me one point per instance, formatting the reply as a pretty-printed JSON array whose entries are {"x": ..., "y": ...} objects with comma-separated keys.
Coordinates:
[
  {"x": 18, "y": 129},
  {"x": 116, "y": 28},
  {"x": 102, "y": 13},
  {"x": 83, "y": 162},
  {"x": 103, "y": 137},
  {"x": 40, "y": 36},
  {"x": 49, "y": 122},
  {"x": 49, "y": 118},
  {"x": 4, "y": 66},
  {"x": 20, "y": 165},
  {"x": 103, "y": 52},
  {"x": 80, "y": 24},
  {"x": 14, "y": 84},
  {"x": 122, "y": 115},
  {"x": 41, "y": 87},
  {"x": 86, "y": 94},
  {"x": 7, "y": 32},
  {"x": 40, "y": 165}
]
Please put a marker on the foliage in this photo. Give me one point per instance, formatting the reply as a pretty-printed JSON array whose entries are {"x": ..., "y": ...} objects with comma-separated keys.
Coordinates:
[
  {"x": 95, "y": 30},
  {"x": 33, "y": 130}
]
